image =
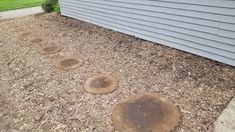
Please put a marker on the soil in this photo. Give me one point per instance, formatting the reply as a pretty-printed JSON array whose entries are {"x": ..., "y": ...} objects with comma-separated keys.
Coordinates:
[{"x": 36, "y": 96}]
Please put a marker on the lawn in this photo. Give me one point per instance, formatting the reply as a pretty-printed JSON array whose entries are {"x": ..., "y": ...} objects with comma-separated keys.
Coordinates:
[{"x": 17, "y": 4}]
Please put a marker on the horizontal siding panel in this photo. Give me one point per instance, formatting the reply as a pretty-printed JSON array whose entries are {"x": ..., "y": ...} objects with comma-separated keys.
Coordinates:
[
  {"x": 210, "y": 3},
  {"x": 228, "y": 43},
  {"x": 222, "y": 28},
  {"x": 166, "y": 22},
  {"x": 165, "y": 10},
  {"x": 184, "y": 6},
  {"x": 170, "y": 11}
]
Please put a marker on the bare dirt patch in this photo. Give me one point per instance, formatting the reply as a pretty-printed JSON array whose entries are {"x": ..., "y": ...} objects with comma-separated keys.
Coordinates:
[{"x": 36, "y": 97}]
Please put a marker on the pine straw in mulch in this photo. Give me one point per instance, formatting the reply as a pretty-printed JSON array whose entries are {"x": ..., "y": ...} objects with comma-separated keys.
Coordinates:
[{"x": 35, "y": 96}]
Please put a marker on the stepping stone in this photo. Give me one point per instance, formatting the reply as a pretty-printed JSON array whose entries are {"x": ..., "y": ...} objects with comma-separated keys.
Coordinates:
[
  {"x": 26, "y": 34},
  {"x": 10, "y": 24},
  {"x": 36, "y": 40},
  {"x": 50, "y": 49},
  {"x": 146, "y": 113},
  {"x": 68, "y": 64},
  {"x": 226, "y": 121},
  {"x": 101, "y": 84}
]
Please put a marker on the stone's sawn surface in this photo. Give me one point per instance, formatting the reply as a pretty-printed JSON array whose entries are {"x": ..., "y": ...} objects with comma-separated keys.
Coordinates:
[
  {"x": 146, "y": 113},
  {"x": 101, "y": 84},
  {"x": 68, "y": 64},
  {"x": 50, "y": 49}
]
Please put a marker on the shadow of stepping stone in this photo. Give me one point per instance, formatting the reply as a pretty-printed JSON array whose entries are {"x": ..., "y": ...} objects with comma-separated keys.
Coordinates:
[
  {"x": 50, "y": 49},
  {"x": 101, "y": 84},
  {"x": 68, "y": 64},
  {"x": 36, "y": 40},
  {"x": 146, "y": 113}
]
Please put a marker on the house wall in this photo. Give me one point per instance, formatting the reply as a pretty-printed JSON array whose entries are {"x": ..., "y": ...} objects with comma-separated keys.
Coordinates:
[{"x": 202, "y": 27}]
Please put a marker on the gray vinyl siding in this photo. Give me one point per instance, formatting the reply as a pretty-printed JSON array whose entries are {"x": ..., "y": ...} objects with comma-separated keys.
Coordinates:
[{"x": 202, "y": 27}]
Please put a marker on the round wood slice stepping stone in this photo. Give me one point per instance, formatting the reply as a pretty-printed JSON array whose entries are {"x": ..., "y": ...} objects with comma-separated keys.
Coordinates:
[
  {"x": 101, "y": 84},
  {"x": 146, "y": 113},
  {"x": 50, "y": 49},
  {"x": 12, "y": 25},
  {"x": 26, "y": 34},
  {"x": 36, "y": 40},
  {"x": 68, "y": 64}
]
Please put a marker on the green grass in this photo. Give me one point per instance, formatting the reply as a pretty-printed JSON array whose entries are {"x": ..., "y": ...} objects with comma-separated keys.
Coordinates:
[{"x": 17, "y": 4}]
